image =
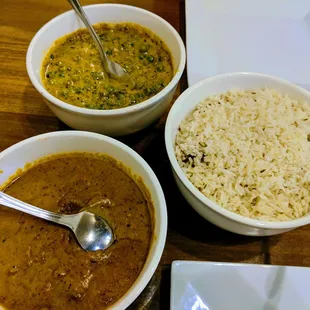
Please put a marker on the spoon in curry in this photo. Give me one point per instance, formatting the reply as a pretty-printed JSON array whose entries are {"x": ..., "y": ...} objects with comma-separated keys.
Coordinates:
[
  {"x": 113, "y": 69},
  {"x": 92, "y": 232}
]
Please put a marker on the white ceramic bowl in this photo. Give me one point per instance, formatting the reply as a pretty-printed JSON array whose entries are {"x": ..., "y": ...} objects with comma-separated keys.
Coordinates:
[
  {"x": 204, "y": 206},
  {"x": 29, "y": 150},
  {"x": 110, "y": 122}
]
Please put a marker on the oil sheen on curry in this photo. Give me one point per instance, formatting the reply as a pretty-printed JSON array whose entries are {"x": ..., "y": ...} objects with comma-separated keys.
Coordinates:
[
  {"x": 41, "y": 264},
  {"x": 72, "y": 70}
]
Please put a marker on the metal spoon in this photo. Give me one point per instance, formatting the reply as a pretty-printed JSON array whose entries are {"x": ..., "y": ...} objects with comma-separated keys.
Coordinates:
[
  {"x": 92, "y": 232},
  {"x": 113, "y": 68}
]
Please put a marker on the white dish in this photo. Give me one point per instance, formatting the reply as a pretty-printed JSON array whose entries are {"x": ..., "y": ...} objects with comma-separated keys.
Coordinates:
[
  {"x": 34, "y": 148},
  {"x": 110, "y": 122},
  {"x": 223, "y": 286},
  {"x": 271, "y": 37},
  {"x": 184, "y": 104}
]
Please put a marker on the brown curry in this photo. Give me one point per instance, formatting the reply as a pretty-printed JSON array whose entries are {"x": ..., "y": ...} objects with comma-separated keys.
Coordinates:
[{"x": 41, "y": 264}]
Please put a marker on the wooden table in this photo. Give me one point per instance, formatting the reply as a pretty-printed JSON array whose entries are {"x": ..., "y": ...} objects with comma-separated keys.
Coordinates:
[{"x": 23, "y": 114}]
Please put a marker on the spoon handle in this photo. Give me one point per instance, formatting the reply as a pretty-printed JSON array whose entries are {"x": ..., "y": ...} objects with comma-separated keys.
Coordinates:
[
  {"x": 19, "y": 205},
  {"x": 79, "y": 10}
]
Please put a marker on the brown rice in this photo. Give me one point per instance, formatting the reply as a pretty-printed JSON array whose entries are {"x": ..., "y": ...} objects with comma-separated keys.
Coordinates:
[{"x": 249, "y": 152}]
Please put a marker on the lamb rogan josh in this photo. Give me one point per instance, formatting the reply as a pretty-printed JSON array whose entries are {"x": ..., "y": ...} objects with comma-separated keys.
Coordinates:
[
  {"x": 73, "y": 72},
  {"x": 41, "y": 264}
]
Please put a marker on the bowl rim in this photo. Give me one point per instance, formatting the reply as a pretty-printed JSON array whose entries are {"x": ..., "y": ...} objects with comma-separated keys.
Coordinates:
[
  {"x": 158, "y": 243},
  {"x": 127, "y": 110},
  {"x": 169, "y": 142}
]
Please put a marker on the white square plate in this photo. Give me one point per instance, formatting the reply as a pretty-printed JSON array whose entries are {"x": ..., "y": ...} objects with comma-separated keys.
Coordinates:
[
  {"x": 225, "y": 286},
  {"x": 267, "y": 36}
]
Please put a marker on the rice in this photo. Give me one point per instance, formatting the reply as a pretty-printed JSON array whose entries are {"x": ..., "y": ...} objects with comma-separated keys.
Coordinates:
[{"x": 249, "y": 152}]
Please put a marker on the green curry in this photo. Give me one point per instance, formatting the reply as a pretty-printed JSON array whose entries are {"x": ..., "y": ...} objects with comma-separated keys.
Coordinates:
[{"x": 73, "y": 72}]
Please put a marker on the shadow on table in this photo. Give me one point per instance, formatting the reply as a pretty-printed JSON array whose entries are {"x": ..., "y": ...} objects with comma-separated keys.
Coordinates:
[{"x": 149, "y": 298}]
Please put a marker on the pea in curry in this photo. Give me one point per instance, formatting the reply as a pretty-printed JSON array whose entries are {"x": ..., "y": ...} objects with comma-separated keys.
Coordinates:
[
  {"x": 41, "y": 264},
  {"x": 73, "y": 72}
]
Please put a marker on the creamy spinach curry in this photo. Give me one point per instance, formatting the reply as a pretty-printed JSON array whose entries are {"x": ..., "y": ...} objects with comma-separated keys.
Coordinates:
[
  {"x": 41, "y": 264},
  {"x": 72, "y": 70}
]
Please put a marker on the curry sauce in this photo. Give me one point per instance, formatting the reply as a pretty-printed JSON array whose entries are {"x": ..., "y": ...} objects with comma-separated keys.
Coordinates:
[
  {"x": 73, "y": 72},
  {"x": 41, "y": 264}
]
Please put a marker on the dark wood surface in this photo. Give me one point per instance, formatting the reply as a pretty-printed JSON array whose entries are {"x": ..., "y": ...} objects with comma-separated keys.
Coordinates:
[{"x": 23, "y": 114}]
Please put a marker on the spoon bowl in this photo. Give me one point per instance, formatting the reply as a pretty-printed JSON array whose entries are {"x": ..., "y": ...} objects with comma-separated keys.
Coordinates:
[
  {"x": 113, "y": 69},
  {"x": 91, "y": 231}
]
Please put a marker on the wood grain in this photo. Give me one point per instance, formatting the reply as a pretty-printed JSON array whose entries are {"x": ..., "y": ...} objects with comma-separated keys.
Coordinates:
[
  {"x": 291, "y": 248},
  {"x": 23, "y": 114}
]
